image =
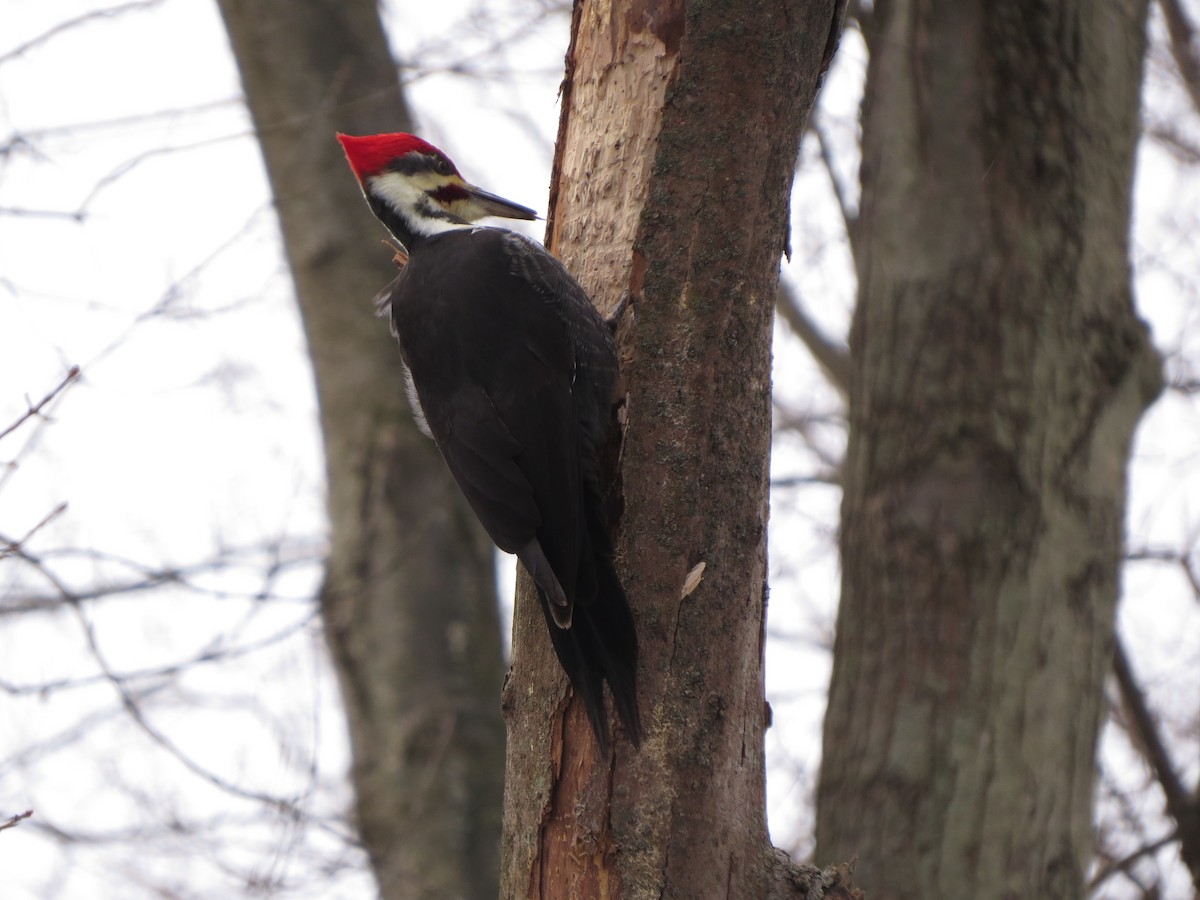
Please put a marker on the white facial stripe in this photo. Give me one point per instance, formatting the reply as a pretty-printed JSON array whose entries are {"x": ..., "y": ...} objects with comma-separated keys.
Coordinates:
[{"x": 408, "y": 196}]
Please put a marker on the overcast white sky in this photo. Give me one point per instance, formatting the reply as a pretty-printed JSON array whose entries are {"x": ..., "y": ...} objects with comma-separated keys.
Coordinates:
[{"x": 192, "y": 432}]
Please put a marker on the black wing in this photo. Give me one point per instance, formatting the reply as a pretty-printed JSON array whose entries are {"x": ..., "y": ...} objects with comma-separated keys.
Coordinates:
[
  {"x": 514, "y": 370},
  {"x": 494, "y": 362}
]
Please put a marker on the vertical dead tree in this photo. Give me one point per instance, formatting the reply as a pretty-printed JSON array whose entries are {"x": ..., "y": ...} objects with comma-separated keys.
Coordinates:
[
  {"x": 680, "y": 126},
  {"x": 409, "y": 600},
  {"x": 999, "y": 370}
]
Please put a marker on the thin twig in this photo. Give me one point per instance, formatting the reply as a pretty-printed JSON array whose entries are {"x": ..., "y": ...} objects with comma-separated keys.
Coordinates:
[
  {"x": 70, "y": 24},
  {"x": 220, "y": 654},
  {"x": 21, "y": 212},
  {"x": 13, "y": 821},
  {"x": 149, "y": 579},
  {"x": 133, "y": 162},
  {"x": 1122, "y": 865},
  {"x": 36, "y": 408},
  {"x": 845, "y": 204},
  {"x": 1183, "y": 47},
  {"x": 29, "y": 136},
  {"x": 1174, "y": 142},
  {"x": 8, "y": 547},
  {"x": 133, "y": 707}
]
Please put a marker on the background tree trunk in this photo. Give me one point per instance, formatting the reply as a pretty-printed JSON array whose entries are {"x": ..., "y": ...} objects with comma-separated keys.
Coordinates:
[
  {"x": 679, "y": 132},
  {"x": 998, "y": 373},
  {"x": 409, "y": 600}
]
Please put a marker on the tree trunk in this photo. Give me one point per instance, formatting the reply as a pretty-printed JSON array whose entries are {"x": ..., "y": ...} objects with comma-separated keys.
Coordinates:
[
  {"x": 409, "y": 597},
  {"x": 999, "y": 372},
  {"x": 679, "y": 132}
]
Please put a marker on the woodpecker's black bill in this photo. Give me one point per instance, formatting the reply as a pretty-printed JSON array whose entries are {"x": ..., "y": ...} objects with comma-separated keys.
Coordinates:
[{"x": 498, "y": 206}]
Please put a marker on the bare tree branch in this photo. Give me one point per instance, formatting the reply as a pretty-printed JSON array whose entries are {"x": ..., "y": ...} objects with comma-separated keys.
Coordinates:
[
  {"x": 26, "y": 138},
  {"x": 831, "y": 356},
  {"x": 13, "y": 821},
  {"x": 499, "y": 29},
  {"x": 1145, "y": 731},
  {"x": 8, "y": 546},
  {"x": 134, "y": 161},
  {"x": 36, "y": 408},
  {"x": 849, "y": 216},
  {"x": 1183, "y": 47},
  {"x": 1182, "y": 805},
  {"x": 1174, "y": 142},
  {"x": 281, "y": 557},
  {"x": 862, "y": 14},
  {"x": 70, "y": 24},
  {"x": 859, "y": 11},
  {"x": 791, "y": 481},
  {"x": 1122, "y": 866},
  {"x": 292, "y": 807},
  {"x": 1182, "y": 558},
  {"x": 161, "y": 672},
  {"x": 803, "y": 422},
  {"x": 20, "y": 212}
]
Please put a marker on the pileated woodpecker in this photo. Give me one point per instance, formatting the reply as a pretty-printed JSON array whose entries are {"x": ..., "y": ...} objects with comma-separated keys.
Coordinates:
[{"x": 513, "y": 372}]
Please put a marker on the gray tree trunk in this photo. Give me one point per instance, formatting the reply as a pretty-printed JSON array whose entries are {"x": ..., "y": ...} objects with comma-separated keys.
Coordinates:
[
  {"x": 999, "y": 370},
  {"x": 409, "y": 600},
  {"x": 678, "y": 139}
]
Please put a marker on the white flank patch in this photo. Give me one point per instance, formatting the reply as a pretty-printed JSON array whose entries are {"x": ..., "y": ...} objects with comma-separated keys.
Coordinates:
[{"x": 415, "y": 402}]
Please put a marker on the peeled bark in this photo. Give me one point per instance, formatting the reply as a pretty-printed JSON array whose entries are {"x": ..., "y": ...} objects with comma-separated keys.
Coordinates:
[
  {"x": 681, "y": 122},
  {"x": 409, "y": 600},
  {"x": 999, "y": 370}
]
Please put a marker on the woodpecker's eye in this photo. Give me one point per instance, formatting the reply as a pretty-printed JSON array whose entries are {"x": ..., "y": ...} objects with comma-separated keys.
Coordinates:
[{"x": 442, "y": 166}]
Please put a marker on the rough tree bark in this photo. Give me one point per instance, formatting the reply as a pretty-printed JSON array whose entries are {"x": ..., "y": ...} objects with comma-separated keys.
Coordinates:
[
  {"x": 680, "y": 125},
  {"x": 999, "y": 370},
  {"x": 409, "y": 598}
]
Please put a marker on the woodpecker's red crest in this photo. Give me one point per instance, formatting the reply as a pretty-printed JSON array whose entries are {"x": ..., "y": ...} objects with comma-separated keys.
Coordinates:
[{"x": 371, "y": 154}]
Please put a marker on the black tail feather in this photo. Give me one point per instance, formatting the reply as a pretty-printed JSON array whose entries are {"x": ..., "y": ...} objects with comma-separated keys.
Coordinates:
[
  {"x": 583, "y": 671},
  {"x": 615, "y": 640},
  {"x": 601, "y": 643}
]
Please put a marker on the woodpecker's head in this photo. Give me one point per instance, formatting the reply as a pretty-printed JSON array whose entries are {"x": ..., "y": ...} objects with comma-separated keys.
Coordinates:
[{"x": 405, "y": 177}]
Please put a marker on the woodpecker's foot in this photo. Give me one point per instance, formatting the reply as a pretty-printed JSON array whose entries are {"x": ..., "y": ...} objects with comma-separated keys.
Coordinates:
[
  {"x": 614, "y": 318},
  {"x": 399, "y": 255}
]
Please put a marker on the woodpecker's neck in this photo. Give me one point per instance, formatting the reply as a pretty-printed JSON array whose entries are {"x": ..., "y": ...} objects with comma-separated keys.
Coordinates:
[
  {"x": 397, "y": 225},
  {"x": 414, "y": 219}
]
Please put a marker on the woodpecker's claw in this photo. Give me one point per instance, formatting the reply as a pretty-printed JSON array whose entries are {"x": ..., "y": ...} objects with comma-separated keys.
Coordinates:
[
  {"x": 399, "y": 255},
  {"x": 614, "y": 318}
]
